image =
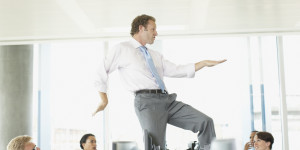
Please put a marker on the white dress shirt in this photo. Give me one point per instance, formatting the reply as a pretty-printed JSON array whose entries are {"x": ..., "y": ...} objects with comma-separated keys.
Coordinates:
[{"x": 133, "y": 69}]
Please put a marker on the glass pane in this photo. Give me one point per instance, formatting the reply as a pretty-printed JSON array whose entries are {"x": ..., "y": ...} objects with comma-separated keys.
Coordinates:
[
  {"x": 256, "y": 81},
  {"x": 221, "y": 92},
  {"x": 271, "y": 88},
  {"x": 73, "y": 96},
  {"x": 291, "y": 63}
]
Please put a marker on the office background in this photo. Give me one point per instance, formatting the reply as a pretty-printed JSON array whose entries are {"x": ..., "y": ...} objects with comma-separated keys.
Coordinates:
[{"x": 50, "y": 51}]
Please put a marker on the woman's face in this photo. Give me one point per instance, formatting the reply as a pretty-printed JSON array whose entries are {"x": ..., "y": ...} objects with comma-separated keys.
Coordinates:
[
  {"x": 90, "y": 143},
  {"x": 31, "y": 146},
  {"x": 261, "y": 144}
]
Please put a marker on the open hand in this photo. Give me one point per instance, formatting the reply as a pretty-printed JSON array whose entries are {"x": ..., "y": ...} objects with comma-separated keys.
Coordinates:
[{"x": 210, "y": 63}]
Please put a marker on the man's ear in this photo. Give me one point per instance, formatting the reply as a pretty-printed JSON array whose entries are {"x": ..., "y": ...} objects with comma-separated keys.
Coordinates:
[
  {"x": 83, "y": 144},
  {"x": 141, "y": 27}
]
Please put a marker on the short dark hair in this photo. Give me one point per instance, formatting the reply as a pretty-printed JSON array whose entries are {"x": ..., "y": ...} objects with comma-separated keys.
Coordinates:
[
  {"x": 266, "y": 136},
  {"x": 140, "y": 20},
  {"x": 84, "y": 138}
]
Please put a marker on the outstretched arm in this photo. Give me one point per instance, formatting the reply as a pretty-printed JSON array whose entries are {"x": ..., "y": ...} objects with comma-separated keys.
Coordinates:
[
  {"x": 207, "y": 63},
  {"x": 102, "y": 105}
]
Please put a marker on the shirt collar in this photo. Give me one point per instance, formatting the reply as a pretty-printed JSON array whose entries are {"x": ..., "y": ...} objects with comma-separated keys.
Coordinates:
[{"x": 135, "y": 43}]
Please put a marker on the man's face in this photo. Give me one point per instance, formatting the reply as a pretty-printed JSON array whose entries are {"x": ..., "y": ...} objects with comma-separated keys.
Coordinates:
[
  {"x": 252, "y": 137},
  {"x": 90, "y": 143},
  {"x": 149, "y": 33},
  {"x": 31, "y": 146}
]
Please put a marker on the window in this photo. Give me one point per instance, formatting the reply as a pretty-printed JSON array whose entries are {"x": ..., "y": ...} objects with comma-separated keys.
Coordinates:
[
  {"x": 67, "y": 77},
  {"x": 223, "y": 92},
  {"x": 291, "y": 51}
]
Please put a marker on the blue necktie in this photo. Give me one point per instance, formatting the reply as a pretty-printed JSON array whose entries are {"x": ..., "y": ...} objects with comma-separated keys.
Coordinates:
[{"x": 152, "y": 68}]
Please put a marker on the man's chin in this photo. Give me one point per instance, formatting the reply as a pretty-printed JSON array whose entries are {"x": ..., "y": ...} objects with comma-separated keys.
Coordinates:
[{"x": 151, "y": 42}]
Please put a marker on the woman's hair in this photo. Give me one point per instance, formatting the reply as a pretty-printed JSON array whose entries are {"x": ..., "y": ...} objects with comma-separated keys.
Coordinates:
[
  {"x": 266, "y": 136},
  {"x": 140, "y": 20},
  {"x": 18, "y": 143},
  {"x": 84, "y": 138}
]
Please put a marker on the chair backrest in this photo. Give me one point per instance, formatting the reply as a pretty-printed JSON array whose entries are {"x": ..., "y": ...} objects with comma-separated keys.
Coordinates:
[
  {"x": 223, "y": 144},
  {"x": 124, "y": 145},
  {"x": 148, "y": 142}
]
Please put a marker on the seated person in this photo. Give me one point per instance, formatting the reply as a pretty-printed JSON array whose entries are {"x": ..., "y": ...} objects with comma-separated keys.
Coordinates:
[
  {"x": 249, "y": 145},
  {"x": 88, "y": 142},
  {"x": 263, "y": 141},
  {"x": 22, "y": 142}
]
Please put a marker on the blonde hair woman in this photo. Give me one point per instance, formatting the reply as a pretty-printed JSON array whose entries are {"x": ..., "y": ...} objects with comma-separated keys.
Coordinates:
[{"x": 22, "y": 142}]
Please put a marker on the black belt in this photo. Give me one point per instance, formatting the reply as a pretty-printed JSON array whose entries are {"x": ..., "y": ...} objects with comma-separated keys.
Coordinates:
[{"x": 152, "y": 91}]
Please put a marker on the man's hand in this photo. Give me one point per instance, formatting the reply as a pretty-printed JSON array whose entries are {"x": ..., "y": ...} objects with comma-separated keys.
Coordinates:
[
  {"x": 207, "y": 63},
  {"x": 100, "y": 108},
  {"x": 210, "y": 63},
  {"x": 103, "y": 103}
]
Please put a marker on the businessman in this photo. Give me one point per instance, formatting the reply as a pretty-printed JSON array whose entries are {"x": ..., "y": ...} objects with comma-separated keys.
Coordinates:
[{"x": 142, "y": 70}]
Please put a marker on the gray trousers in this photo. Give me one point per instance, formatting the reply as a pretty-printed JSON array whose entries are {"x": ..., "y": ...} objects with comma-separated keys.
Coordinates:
[{"x": 154, "y": 111}]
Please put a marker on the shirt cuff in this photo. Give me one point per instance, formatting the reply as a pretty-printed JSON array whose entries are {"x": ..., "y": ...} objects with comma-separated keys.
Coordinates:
[
  {"x": 101, "y": 88},
  {"x": 191, "y": 70}
]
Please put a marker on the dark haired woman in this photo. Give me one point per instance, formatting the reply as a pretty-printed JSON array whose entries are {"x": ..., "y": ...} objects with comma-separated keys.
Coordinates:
[
  {"x": 263, "y": 141},
  {"x": 88, "y": 142}
]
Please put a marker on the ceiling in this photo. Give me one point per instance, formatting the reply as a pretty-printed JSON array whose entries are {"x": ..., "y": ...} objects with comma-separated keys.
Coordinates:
[{"x": 30, "y": 20}]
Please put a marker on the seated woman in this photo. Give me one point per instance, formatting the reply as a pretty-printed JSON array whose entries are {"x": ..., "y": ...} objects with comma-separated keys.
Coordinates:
[
  {"x": 88, "y": 142},
  {"x": 263, "y": 141},
  {"x": 22, "y": 142}
]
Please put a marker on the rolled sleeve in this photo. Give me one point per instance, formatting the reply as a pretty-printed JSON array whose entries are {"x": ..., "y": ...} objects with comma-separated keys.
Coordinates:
[
  {"x": 100, "y": 83},
  {"x": 107, "y": 66},
  {"x": 178, "y": 71},
  {"x": 190, "y": 69},
  {"x": 101, "y": 88}
]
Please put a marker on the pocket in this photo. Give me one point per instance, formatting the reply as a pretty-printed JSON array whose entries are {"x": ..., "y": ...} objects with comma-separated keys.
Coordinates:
[
  {"x": 149, "y": 102},
  {"x": 143, "y": 102},
  {"x": 146, "y": 104},
  {"x": 137, "y": 103}
]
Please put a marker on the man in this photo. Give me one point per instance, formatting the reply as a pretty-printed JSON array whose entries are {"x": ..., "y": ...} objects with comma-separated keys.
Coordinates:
[
  {"x": 249, "y": 145},
  {"x": 142, "y": 71},
  {"x": 22, "y": 142}
]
